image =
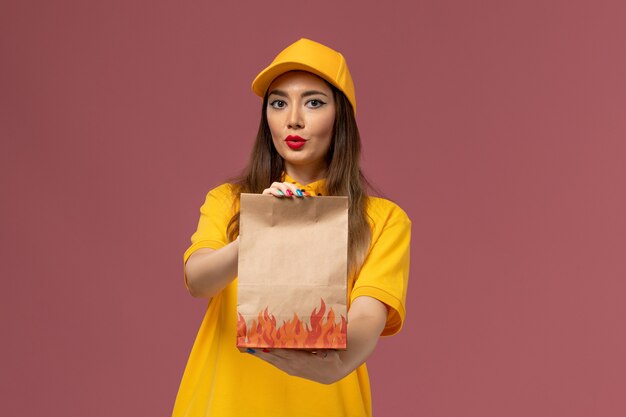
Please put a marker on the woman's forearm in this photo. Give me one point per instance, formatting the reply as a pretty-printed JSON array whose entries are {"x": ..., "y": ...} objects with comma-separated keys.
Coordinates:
[
  {"x": 366, "y": 320},
  {"x": 208, "y": 271}
]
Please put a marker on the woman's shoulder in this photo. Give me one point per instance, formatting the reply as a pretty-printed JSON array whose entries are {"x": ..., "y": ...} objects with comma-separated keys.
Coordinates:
[
  {"x": 223, "y": 195},
  {"x": 226, "y": 189},
  {"x": 381, "y": 210}
]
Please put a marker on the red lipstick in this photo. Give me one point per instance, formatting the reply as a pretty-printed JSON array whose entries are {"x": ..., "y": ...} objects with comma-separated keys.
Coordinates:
[{"x": 295, "y": 142}]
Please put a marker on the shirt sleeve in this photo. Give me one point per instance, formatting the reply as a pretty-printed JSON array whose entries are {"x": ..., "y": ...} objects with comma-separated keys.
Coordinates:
[
  {"x": 385, "y": 271},
  {"x": 215, "y": 214}
]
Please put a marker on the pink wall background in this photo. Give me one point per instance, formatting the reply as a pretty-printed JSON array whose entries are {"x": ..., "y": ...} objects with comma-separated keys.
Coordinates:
[{"x": 498, "y": 126}]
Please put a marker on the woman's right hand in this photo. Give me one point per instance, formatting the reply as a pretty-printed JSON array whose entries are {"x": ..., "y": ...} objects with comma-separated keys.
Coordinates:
[{"x": 285, "y": 189}]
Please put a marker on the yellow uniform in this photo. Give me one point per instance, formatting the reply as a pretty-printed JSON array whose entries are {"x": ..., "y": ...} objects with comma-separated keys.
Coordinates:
[{"x": 221, "y": 381}]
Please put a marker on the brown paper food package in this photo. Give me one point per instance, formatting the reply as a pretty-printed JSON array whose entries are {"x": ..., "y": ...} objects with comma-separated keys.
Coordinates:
[{"x": 292, "y": 283}]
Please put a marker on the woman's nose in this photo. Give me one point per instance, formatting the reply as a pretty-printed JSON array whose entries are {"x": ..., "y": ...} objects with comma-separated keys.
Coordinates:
[{"x": 295, "y": 120}]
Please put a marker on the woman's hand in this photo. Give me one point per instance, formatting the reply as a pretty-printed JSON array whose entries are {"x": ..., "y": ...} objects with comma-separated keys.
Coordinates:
[
  {"x": 322, "y": 366},
  {"x": 285, "y": 189},
  {"x": 366, "y": 320}
]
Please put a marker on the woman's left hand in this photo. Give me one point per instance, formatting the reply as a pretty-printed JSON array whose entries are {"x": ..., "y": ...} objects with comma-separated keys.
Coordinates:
[
  {"x": 322, "y": 366},
  {"x": 366, "y": 320}
]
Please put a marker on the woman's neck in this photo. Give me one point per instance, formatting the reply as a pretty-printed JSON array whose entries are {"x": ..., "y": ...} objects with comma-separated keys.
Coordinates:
[{"x": 305, "y": 174}]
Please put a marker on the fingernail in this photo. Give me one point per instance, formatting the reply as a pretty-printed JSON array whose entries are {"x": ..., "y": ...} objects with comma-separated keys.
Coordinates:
[
  {"x": 299, "y": 193},
  {"x": 281, "y": 192},
  {"x": 289, "y": 192},
  {"x": 306, "y": 193},
  {"x": 249, "y": 350},
  {"x": 266, "y": 350}
]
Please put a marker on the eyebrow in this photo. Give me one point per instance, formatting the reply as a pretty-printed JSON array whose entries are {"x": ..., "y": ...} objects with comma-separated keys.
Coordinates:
[{"x": 308, "y": 93}]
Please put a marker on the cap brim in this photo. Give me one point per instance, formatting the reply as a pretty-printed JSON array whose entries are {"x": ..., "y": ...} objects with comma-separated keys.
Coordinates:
[{"x": 262, "y": 81}]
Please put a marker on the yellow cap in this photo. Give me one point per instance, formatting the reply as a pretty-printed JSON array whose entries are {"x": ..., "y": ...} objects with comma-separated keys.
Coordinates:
[{"x": 310, "y": 56}]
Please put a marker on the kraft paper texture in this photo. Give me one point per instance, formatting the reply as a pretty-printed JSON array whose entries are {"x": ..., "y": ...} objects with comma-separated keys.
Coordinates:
[{"x": 292, "y": 283}]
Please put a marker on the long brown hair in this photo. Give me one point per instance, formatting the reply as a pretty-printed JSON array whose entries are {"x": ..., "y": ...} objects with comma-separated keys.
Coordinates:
[{"x": 343, "y": 175}]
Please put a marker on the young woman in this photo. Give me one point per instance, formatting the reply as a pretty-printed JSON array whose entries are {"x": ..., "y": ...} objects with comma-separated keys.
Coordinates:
[{"x": 307, "y": 145}]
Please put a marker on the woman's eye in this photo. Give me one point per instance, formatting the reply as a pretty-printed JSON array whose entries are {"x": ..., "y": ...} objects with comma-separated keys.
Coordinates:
[
  {"x": 278, "y": 104},
  {"x": 315, "y": 103}
]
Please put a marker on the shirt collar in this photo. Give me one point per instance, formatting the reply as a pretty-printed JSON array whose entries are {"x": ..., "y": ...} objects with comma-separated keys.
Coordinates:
[{"x": 315, "y": 188}]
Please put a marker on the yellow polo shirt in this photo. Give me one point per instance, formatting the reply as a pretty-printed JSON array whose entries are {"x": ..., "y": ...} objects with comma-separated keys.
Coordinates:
[{"x": 221, "y": 381}]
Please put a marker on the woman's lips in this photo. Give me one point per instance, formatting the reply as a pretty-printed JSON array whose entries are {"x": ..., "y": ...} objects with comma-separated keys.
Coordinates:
[{"x": 295, "y": 142}]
